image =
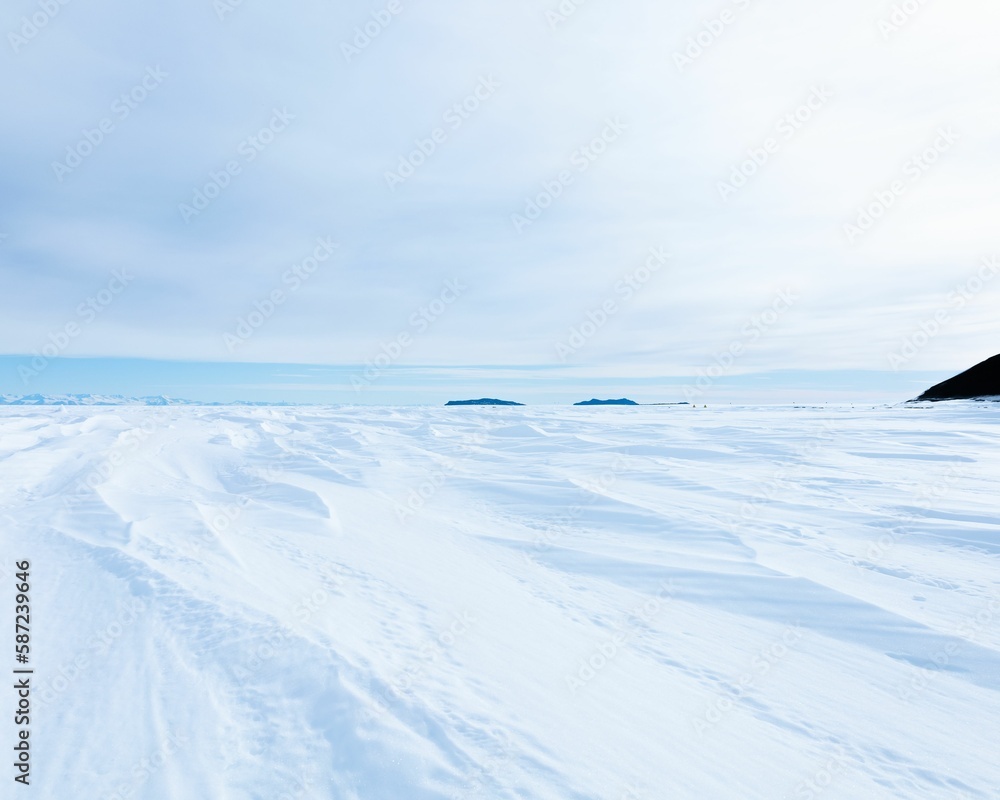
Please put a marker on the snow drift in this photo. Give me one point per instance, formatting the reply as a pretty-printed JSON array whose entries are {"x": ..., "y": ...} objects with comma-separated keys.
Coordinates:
[{"x": 541, "y": 603}]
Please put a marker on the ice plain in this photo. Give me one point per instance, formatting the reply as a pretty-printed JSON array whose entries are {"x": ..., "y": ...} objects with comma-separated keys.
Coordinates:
[{"x": 537, "y": 602}]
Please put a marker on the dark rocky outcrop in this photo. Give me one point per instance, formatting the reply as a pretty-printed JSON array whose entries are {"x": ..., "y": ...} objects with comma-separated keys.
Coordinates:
[
  {"x": 980, "y": 382},
  {"x": 486, "y": 401},
  {"x": 624, "y": 401}
]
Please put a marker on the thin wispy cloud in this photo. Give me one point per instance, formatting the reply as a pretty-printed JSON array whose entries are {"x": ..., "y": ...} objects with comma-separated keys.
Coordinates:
[{"x": 532, "y": 154}]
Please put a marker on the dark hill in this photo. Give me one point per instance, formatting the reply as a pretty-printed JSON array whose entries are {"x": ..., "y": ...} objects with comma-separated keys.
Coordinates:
[
  {"x": 486, "y": 401},
  {"x": 983, "y": 380},
  {"x": 622, "y": 402}
]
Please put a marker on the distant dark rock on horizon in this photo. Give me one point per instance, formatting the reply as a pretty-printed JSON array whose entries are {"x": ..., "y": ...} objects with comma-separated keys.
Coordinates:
[
  {"x": 978, "y": 383},
  {"x": 624, "y": 401},
  {"x": 486, "y": 401}
]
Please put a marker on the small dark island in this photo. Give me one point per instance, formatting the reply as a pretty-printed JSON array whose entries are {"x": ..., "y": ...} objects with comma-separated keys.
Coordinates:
[
  {"x": 624, "y": 401},
  {"x": 486, "y": 401},
  {"x": 981, "y": 382}
]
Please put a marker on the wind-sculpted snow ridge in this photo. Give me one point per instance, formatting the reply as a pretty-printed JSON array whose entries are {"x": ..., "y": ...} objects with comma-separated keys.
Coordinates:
[{"x": 432, "y": 604}]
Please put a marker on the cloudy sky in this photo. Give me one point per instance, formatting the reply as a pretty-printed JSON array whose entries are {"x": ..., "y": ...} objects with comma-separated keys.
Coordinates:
[{"x": 611, "y": 193}]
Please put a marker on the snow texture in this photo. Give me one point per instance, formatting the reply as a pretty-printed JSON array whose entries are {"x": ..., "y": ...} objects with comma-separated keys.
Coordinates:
[{"x": 543, "y": 603}]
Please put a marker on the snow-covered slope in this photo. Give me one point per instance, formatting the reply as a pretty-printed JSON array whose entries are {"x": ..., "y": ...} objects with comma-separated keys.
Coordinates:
[{"x": 507, "y": 603}]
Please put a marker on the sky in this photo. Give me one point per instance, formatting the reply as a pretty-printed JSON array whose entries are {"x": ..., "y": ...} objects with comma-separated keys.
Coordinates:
[{"x": 282, "y": 202}]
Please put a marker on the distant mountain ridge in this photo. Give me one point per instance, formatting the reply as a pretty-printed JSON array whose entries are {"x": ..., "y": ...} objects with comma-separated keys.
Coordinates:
[
  {"x": 981, "y": 382},
  {"x": 112, "y": 400},
  {"x": 485, "y": 401},
  {"x": 624, "y": 401}
]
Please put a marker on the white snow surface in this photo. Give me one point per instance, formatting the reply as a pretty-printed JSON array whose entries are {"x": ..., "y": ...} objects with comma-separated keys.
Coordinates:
[{"x": 551, "y": 603}]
